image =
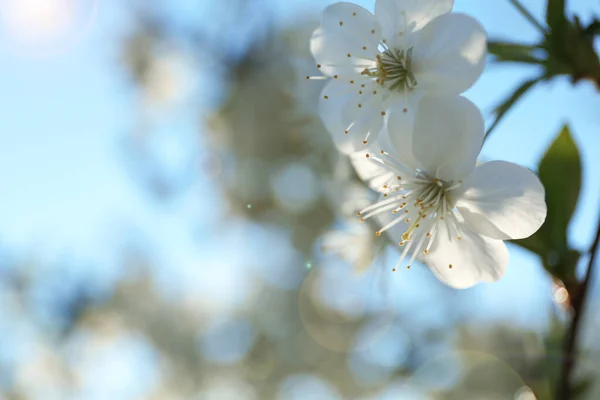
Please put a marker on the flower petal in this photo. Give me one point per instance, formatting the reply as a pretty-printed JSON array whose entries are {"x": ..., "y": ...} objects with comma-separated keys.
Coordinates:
[
  {"x": 350, "y": 117},
  {"x": 370, "y": 171},
  {"x": 400, "y": 126},
  {"x": 417, "y": 13},
  {"x": 448, "y": 134},
  {"x": 466, "y": 262},
  {"x": 449, "y": 54},
  {"x": 344, "y": 43},
  {"x": 502, "y": 200}
]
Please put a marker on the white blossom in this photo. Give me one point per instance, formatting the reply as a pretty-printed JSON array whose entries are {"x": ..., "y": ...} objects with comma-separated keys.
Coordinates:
[
  {"x": 381, "y": 64},
  {"x": 354, "y": 244},
  {"x": 442, "y": 207}
]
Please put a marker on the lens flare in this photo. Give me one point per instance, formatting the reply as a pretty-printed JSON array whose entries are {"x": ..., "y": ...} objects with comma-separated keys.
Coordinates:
[
  {"x": 468, "y": 374},
  {"x": 337, "y": 327}
]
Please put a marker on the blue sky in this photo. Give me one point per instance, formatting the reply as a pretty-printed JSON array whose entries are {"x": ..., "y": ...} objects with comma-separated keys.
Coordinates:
[{"x": 65, "y": 187}]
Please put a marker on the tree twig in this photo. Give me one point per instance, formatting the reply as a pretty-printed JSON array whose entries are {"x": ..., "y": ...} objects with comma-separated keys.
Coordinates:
[
  {"x": 569, "y": 358},
  {"x": 528, "y": 16}
]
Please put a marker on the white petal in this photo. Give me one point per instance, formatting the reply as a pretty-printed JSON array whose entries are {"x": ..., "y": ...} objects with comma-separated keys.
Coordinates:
[
  {"x": 448, "y": 135},
  {"x": 400, "y": 125},
  {"x": 474, "y": 258},
  {"x": 502, "y": 200},
  {"x": 369, "y": 171},
  {"x": 344, "y": 44},
  {"x": 340, "y": 112},
  {"x": 417, "y": 13},
  {"x": 449, "y": 54}
]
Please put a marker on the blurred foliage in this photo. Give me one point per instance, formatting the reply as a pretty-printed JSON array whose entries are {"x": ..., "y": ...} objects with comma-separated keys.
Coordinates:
[
  {"x": 566, "y": 48},
  {"x": 281, "y": 152}
]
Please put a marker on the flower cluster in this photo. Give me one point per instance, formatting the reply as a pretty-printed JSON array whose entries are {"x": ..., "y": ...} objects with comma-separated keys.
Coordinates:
[{"x": 394, "y": 105}]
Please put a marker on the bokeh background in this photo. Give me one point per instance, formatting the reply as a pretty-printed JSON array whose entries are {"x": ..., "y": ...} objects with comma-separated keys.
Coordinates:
[{"x": 175, "y": 222}]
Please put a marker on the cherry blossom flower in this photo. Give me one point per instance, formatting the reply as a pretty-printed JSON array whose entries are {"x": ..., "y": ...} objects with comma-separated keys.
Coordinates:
[
  {"x": 381, "y": 64},
  {"x": 354, "y": 244},
  {"x": 442, "y": 207}
]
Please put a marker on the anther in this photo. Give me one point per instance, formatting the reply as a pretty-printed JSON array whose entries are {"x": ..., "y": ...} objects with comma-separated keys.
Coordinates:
[
  {"x": 405, "y": 110},
  {"x": 335, "y": 77},
  {"x": 318, "y": 65},
  {"x": 341, "y": 23},
  {"x": 358, "y": 213},
  {"x": 367, "y": 155},
  {"x": 364, "y": 47},
  {"x": 377, "y": 233},
  {"x": 399, "y": 177},
  {"x": 365, "y": 142},
  {"x": 394, "y": 270},
  {"x": 349, "y": 55},
  {"x": 408, "y": 267},
  {"x": 362, "y": 86},
  {"x": 354, "y": 14},
  {"x": 425, "y": 251},
  {"x": 346, "y": 132},
  {"x": 352, "y": 82},
  {"x": 383, "y": 113},
  {"x": 325, "y": 97},
  {"x": 458, "y": 237},
  {"x": 359, "y": 105},
  {"x": 450, "y": 266},
  {"x": 428, "y": 234},
  {"x": 373, "y": 31},
  {"x": 374, "y": 91},
  {"x": 360, "y": 92}
]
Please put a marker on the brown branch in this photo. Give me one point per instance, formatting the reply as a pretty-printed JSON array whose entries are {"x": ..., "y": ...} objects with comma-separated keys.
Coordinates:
[{"x": 564, "y": 389}]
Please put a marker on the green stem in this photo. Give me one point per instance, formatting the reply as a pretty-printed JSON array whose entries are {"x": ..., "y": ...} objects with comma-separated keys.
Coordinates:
[{"x": 528, "y": 16}]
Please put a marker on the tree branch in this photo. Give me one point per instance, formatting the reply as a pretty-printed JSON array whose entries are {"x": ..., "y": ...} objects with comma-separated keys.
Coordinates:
[{"x": 569, "y": 358}]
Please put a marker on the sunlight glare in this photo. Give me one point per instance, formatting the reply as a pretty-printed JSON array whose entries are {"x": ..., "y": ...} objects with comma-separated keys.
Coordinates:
[{"x": 44, "y": 25}]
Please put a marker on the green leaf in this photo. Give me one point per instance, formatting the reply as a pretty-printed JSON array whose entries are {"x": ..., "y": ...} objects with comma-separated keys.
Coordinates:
[
  {"x": 560, "y": 173},
  {"x": 555, "y": 15},
  {"x": 534, "y": 244},
  {"x": 513, "y": 52},
  {"x": 593, "y": 28},
  {"x": 503, "y": 108}
]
